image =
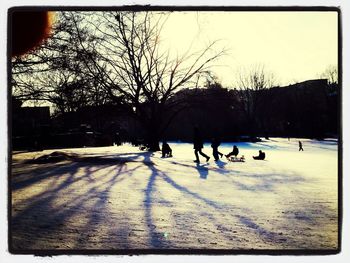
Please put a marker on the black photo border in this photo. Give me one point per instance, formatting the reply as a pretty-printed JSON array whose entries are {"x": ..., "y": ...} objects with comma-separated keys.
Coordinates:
[{"x": 286, "y": 252}]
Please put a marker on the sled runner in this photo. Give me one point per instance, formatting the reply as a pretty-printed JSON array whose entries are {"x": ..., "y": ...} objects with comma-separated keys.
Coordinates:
[{"x": 236, "y": 159}]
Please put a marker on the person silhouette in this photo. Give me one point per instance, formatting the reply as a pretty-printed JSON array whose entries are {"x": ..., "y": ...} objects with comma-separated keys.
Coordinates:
[
  {"x": 215, "y": 145},
  {"x": 166, "y": 150},
  {"x": 234, "y": 152},
  {"x": 198, "y": 145},
  {"x": 300, "y": 146},
  {"x": 261, "y": 156}
]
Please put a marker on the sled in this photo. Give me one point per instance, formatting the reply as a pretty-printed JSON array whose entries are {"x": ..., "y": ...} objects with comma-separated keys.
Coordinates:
[
  {"x": 258, "y": 158},
  {"x": 236, "y": 159}
]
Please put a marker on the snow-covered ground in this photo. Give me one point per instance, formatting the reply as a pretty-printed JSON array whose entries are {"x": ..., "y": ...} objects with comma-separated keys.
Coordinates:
[{"x": 124, "y": 198}]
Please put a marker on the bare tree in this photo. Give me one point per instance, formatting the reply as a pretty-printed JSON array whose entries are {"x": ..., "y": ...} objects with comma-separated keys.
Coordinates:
[
  {"x": 212, "y": 80},
  {"x": 134, "y": 65},
  {"x": 55, "y": 72},
  {"x": 122, "y": 54},
  {"x": 331, "y": 93},
  {"x": 254, "y": 84},
  {"x": 331, "y": 74}
]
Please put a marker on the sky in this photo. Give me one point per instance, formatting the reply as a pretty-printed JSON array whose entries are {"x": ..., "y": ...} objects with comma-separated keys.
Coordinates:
[{"x": 294, "y": 46}]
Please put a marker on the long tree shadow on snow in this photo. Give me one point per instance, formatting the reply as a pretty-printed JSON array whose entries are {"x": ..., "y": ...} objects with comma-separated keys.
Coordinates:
[
  {"x": 156, "y": 238},
  {"x": 35, "y": 169},
  {"x": 40, "y": 217},
  {"x": 49, "y": 220},
  {"x": 267, "y": 184}
]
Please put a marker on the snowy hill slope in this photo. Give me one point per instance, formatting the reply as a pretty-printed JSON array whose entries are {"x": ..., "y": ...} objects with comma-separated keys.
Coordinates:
[{"x": 288, "y": 201}]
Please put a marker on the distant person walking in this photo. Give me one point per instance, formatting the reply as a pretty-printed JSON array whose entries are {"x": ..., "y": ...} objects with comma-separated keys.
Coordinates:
[
  {"x": 300, "y": 146},
  {"x": 215, "y": 145},
  {"x": 166, "y": 150},
  {"x": 198, "y": 145},
  {"x": 261, "y": 156},
  {"x": 234, "y": 152}
]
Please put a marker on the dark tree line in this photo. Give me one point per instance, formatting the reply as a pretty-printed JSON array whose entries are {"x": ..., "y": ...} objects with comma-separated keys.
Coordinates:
[
  {"x": 111, "y": 58},
  {"x": 307, "y": 109},
  {"x": 115, "y": 61}
]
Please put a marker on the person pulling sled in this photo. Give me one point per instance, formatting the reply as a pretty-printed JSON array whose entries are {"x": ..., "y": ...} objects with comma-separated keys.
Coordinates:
[
  {"x": 198, "y": 145},
  {"x": 215, "y": 145}
]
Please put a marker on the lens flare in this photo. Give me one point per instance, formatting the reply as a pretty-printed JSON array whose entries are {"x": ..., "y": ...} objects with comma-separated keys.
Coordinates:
[{"x": 29, "y": 29}]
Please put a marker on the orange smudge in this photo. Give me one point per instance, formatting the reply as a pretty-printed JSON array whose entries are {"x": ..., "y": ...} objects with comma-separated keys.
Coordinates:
[{"x": 29, "y": 29}]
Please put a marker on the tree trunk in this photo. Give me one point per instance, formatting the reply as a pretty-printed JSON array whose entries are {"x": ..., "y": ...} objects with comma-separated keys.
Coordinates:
[
  {"x": 152, "y": 138},
  {"x": 153, "y": 145}
]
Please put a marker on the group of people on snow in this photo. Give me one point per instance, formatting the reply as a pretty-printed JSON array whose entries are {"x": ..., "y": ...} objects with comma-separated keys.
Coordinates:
[{"x": 198, "y": 146}]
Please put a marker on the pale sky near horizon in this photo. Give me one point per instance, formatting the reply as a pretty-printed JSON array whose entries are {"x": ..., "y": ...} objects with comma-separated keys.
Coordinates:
[{"x": 294, "y": 46}]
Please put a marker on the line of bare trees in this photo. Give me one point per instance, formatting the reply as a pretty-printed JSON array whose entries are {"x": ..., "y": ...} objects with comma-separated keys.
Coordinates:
[
  {"x": 95, "y": 58},
  {"x": 255, "y": 83},
  {"x": 118, "y": 58}
]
